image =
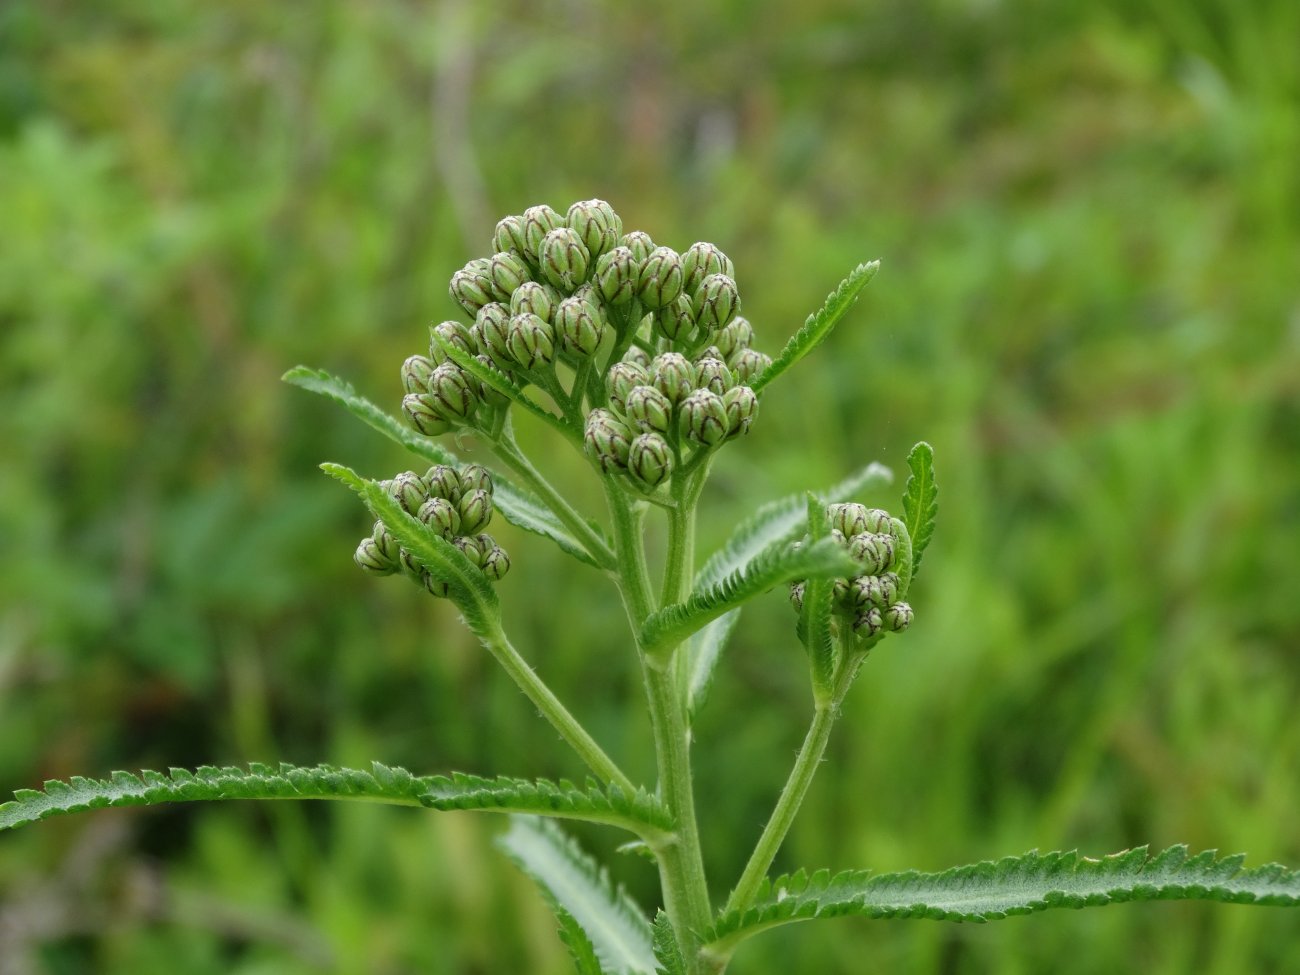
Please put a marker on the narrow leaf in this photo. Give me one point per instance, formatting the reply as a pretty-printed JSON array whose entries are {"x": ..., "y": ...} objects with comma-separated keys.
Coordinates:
[
  {"x": 920, "y": 501},
  {"x": 1015, "y": 885},
  {"x": 525, "y": 510},
  {"x": 573, "y": 882},
  {"x": 667, "y": 951},
  {"x": 581, "y": 950},
  {"x": 820, "y": 323},
  {"x": 641, "y": 812},
  {"x": 815, "y": 617},
  {"x": 776, "y": 521},
  {"x": 781, "y": 562}
]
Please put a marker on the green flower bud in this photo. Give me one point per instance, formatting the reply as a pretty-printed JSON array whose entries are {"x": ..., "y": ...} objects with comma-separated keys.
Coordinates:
[
  {"x": 839, "y": 539},
  {"x": 538, "y": 222},
  {"x": 443, "y": 482},
  {"x": 450, "y": 389},
  {"x": 436, "y": 587},
  {"x": 704, "y": 417},
  {"x": 898, "y": 617},
  {"x": 840, "y": 595},
  {"x": 676, "y": 320},
  {"x": 453, "y": 333},
  {"x": 736, "y": 336},
  {"x": 509, "y": 236},
  {"x": 715, "y": 302},
  {"x": 660, "y": 278},
  {"x": 472, "y": 287},
  {"x": 493, "y": 327},
  {"x": 742, "y": 406},
  {"x": 590, "y": 294},
  {"x": 871, "y": 591},
  {"x": 564, "y": 259},
  {"x": 412, "y": 568},
  {"x": 423, "y": 412},
  {"x": 475, "y": 510},
  {"x": 637, "y": 356},
  {"x": 648, "y": 409},
  {"x": 649, "y": 459},
  {"x": 440, "y": 515},
  {"x": 874, "y": 551},
  {"x": 608, "y": 440},
  {"x": 849, "y": 518},
  {"x": 616, "y": 276},
  {"x": 877, "y": 520},
  {"x": 535, "y": 298},
  {"x": 388, "y": 546},
  {"x": 415, "y": 374},
  {"x": 700, "y": 260},
  {"x": 796, "y": 596},
  {"x": 370, "y": 557},
  {"x": 508, "y": 271},
  {"x": 580, "y": 325},
  {"x": 673, "y": 375},
  {"x": 596, "y": 224},
  {"x": 471, "y": 548},
  {"x": 475, "y": 477},
  {"x": 748, "y": 364},
  {"x": 889, "y": 583},
  {"x": 496, "y": 563},
  {"x": 712, "y": 373},
  {"x": 640, "y": 244},
  {"x": 620, "y": 379},
  {"x": 531, "y": 341},
  {"x": 408, "y": 490},
  {"x": 867, "y": 623}
]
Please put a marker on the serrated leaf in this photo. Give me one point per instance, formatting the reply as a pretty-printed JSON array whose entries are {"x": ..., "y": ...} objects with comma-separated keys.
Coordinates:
[
  {"x": 502, "y": 385},
  {"x": 79, "y": 794},
  {"x": 776, "y": 521},
  {"x": 573, "y": 882},
  {"x": 782, "y": 562},
  {"x": 640, "y": 812},
  {"x": 920, "y": 501},
  {"x": 815, "y": 616},
  {"x": 819, "y": 324},
  {"x": 520, "y": 507},
  {"x": 667, "y": 951},
  {"x": 581, "y": 950},
  {"x": 1015, "y": 885}
]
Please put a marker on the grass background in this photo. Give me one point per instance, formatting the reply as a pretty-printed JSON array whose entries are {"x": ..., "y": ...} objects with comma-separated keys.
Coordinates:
[{"x": 1089, "y": 218}]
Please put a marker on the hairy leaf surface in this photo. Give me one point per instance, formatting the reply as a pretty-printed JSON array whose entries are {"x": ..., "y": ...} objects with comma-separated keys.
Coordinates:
[
  {"x": 581, "y": 950},
  {"x": 819, "y": 324},
  {"x": 1015, "y": 885},
  {"x": 667, "y": 951},
  {"x": 573, "y": 882},
  {"x": 776, "y": 521},
  {"x": 920, "y": 501}
]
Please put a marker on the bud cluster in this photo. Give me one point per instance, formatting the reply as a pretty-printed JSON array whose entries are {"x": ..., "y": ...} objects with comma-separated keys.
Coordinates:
[
  {"x": 457, "y": 504},
  {"x": 870, "y": 602}
]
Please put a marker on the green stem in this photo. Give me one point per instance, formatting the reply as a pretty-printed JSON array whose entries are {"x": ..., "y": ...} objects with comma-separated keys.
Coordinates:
[
  {"x": 629, "y": 551},
  {"x": 542, "y": 697}
]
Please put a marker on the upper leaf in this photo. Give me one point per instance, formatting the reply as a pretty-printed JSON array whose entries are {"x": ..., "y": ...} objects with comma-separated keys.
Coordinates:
[
  {"x": 667, "y": 951},
  {"x": 1015, "y": 885},
  {"x": 920, "y": 501},
  {"x": 574, "y": 883},
  {"x": 820, "y": 323},
  {"x": 776, "y": 521}
]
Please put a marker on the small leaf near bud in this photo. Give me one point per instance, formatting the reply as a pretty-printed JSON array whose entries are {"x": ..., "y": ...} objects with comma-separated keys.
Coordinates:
[
  {"x": 538, "y": 221},
  {"x": 564, "y": 259},
  {"x": 534, "y": 297},
  {"x": 531, "y": 341},
  {"x": 650, "y": 460},
  {"x": 388, "y": 546},
  {"x": 409, "y": 490},
  {"x": 796, "y": 596},
  {"x": 640, "y": 244},
  {"x": 415, "y": 374},
  {"x": 443, "y": 482},
  {"x": 702, "y": 259},
  {"x": 675, "y": 321},
  {"x": 607, "y": 440},
  {"x": 620, "y": 379},
  {"x": 509, "y": 235},
  {"x": 874, "y": 551},
  {"x": 435, "y": 587},
  {"x": 616, "y": 276},
  {"x": 488, "y": 394},
  {"x": 453, "y": 333},
  {"x": 742, "y": 406},
  {"x": 867, "y": 623},
  {"x": 715, "y": 302},
  {"x": 748, "y": 364},
  {"x": 704, "y": 417},
  {"x": 648, "y": 409},
  {"x": 508, "y": 271},
  {"x": 475, "y": 477},
  {"x": 673, "y": 375},
  {"x": 370, "y": 557},
  {"x": 450, "y": 389},
  {"x": 898, "y": 617},
  {"x": 472, "y": 287},
  {"x": 423, "y": 412},
  {"x": 475, "y": 511},
  {"x": 848, "y": 517},
  {"x": 736, "y": 336},
  {"x": 712, "y": 374},
  {"x": 596, "y": 224},
  {"x": 580, "y": 325},
  {"x": 496, "y": 563},
  {"x": 440, "y": 515},
  {"x": 660, "y": 279}
]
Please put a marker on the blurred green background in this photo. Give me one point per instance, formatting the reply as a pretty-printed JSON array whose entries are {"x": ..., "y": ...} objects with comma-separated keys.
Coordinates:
[{"x": 1089, "y": 218}]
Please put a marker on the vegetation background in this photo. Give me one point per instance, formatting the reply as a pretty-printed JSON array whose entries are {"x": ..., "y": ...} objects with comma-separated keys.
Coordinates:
[{"x": 1089, "y": 217}]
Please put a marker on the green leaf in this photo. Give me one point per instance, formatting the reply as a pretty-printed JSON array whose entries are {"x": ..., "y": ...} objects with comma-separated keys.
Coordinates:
[
  {"x": 920, "y": 501},
  {"x": 380, "y": 784},
  {"x": 581, "y": 950},
  {"x": 1015, "y": 885},
  {"x": 775, "y": 521},
  {"x": 667, "y": 951},
  {"x": 520, "y": 507},
  {"x": 641, "y": 812},
  {"x": 820, "y": 323},
  {"x": 815, "y": 618},
  {"x": 572, "y": 882},
  {"x": 781, "y": 562}
]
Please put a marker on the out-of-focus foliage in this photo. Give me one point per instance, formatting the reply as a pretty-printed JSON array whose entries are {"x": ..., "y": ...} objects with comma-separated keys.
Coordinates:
[{"x": 1089, "y": 222}]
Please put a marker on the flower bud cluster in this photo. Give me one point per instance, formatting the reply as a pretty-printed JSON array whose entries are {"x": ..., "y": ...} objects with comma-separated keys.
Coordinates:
[
  {"x": 457, "y": 504},
  {"x": 870, "y": 602}
]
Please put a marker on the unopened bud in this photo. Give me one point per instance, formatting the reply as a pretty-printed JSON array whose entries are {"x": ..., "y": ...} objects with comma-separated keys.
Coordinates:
[
  {"x": 508, "y": 272},
  {"x": 564, "y": 259},
  {"x": 648, "y": 408},
  {"x": 471, "y": 547},
  {"x": 898, "y": 617},
  {"x": 736, "y": 336},
  {"x": 496, "y": 563},
  {"x": 840, "y": 594},
  {"x": 596, "y": 224},
  {"x": 702, "y": 259},
  {"x": 410, "y": 565},
  {"x": 415, "y": 374},
  {"x": 715, "y": 302},
  {"x": 475, "y": 477},
  {"x": 712, "y": 374},
  {"x": 675, "y": 320},
  {"x": 616, "y": 276},
  {"x": 796, "y": 595},
  {"x": 620, "y": 379},
  {"x": 509, "y": 235},
  {"x": 607, "y": 440},
  {"x": 531, "y": 341},
  {"x": 538, "y": 221},
  {"x": 867, "y": 623},
  {"x": 660, "y": 278},
  {"x": 748, "y": 364},
  {"x": 742, "y": 406},
  {"x": 649, "y": 460},
  {"x": 423, "y": 412},
  {"x": 875, "y": 552},
  {"x": 408, "y": 490},
  {"x": 877, "y": 520},
  {"x": 472, "y": 287},
  {"x": 868, "y": 591},
  {"x": 889, "y": 583},
  {"x": 388, "y": 546},
  {"x": 443, "y": 482},
  {"x": 450, "y": 389},
  {"x": 440, "y": 515},
  {"x": 370, "y": 557},
  {"x": 475, "y": 511},
  {"x": 493, "y": 327},
  {"x": 673, "y": 375},
  {"x": 436, "y": 587},
  {"x": 640, "y": 244},
  {"x": 704, "y": 417},
  {"x": 452, "y": 333},
  {"x": 850, "y": 518},
  {"x": 637, "y": 356},
  {"x": 536, "y": 298},
  {"x": 486, "y": 392},
  {"x": 580, "y": 325}
]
